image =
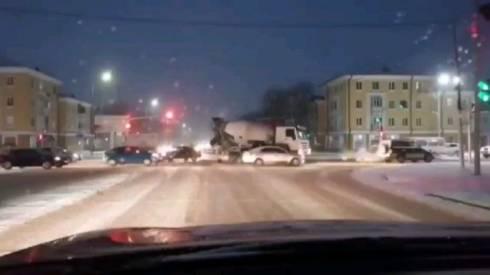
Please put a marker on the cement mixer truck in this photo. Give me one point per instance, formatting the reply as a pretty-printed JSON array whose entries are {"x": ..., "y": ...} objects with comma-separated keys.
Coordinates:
[{"x": 235, "y": 137}]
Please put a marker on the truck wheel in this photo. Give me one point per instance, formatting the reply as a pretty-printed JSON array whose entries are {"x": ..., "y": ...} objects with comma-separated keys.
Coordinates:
[
  {"x": 7, "y": 165},
  {"x": 428, "y": 158},
  {"x": 47, "y": 165},
  {"x": 400, "y": 158},
  {"x": 259, "y": 162},
  {"x": 295, "y": 162}
]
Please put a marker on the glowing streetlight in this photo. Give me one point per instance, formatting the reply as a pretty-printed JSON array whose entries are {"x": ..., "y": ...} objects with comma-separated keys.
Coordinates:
[
  {"x": 106, "y": 76},
  {"x": 154, "y": 102},
  {"x": 443, "y": 79},
  {"x": 169, "y": 114}
]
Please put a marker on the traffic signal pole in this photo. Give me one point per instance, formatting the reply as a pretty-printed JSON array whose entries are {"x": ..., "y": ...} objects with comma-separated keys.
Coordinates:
[
  {"x": 460, "y": 107},
  {"x": 476, "y": 116}
]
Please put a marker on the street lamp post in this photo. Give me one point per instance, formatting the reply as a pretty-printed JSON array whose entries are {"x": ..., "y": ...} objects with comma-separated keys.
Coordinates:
[
  {"x": 446, "y": 80},
  {"x": 105, "y": 77}
]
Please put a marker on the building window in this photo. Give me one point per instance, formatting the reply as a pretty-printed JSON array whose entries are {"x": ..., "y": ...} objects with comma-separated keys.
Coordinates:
[
  {"x": 418, "y": 122},
  {"x": 10, "y": 81},
  {"x": 10, "y": 101},
  {"x": 391, "y": 104},
  {"x": 359, "y": 121},
  {"x": 449, "y": 121},
  {"x": 417, "y": 85},
  {"x": 10, "y": 121},
  {"x": 391, "y": 85},
  {"x": 391, "y": 121},
  {"x": 358, "y": 104},
  {"x": 418, "y": 104},
  {"x": 359, "y": 85},
  {"x": 376, "y": 85},
  {"x": 376, "y": 101},
  {"x": 81, "y": 109},
  {"x": 405, "y": 122},
  {"x": 403, "y": 104},
  {"x": 405, "y": 85}
]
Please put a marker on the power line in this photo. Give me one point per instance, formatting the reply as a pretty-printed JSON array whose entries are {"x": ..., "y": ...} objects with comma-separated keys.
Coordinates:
[{"x": 210, "y": 23}]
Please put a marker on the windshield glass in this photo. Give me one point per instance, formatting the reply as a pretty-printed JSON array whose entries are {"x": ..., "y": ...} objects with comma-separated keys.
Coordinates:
[{"x": 151, "y": 113}]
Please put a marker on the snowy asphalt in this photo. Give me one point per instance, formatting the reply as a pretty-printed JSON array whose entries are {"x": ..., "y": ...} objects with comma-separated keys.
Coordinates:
[{"x": 38, "y": 206}]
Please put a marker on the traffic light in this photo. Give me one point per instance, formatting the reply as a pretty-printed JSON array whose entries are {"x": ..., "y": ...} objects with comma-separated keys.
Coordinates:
[{"x": 484, "y": 91}]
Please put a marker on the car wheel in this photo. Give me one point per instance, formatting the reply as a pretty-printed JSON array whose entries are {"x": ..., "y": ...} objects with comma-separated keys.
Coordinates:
[
  {"x": 259, "y": 162},
  {"x": 7, "y": 165},
  {"x": 147, "y": 162},
  {"x": 295, "y": 162},
  {"x": 428, "y": 158},
  {"x": 47, "y": 165},
  {"x": 112, "y": 162},
  {"x": 400, "y": 158}
]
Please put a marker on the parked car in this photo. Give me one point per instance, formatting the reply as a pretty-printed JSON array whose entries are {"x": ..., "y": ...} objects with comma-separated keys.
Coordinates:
[
  {"x": 183, "y": 152},
  {"x": 65, "y": 155},
  {"x": 271, "y": 155},
  {"x": 28, "y": 158},
  {"x": 129, "y": 155},
  {"x": 485, "y": 151},
  {"x": 414, "y": 154}
]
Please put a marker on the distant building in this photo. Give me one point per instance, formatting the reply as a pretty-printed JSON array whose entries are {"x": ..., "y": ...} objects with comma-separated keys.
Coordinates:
[
  {"x": 110, "y": 131},
  {"x": 359, "y": 107},
  {"x": 28, "y": 107},
  {"x": 76, "y": 124}
]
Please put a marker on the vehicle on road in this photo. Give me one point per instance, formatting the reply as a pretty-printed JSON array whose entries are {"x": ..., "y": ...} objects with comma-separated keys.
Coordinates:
[
  {"x": 485, "y": 151},
  {"x": 297, "y": 247},
  {"x": 129, "y": 155},
  {"x": 63, "y": 154},
  {"x": 29, "y": 158},
  {"x": 184, "y": 153},
  {"x": 271, "y": 155},
  {"x": 402, "y": 150},
  {"x": 436, "y": 145},
  {"x": 236, "y": 137}
]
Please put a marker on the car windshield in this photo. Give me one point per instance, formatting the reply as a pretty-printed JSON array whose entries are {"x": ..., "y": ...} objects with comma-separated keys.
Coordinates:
[{"x": 148, "y": 114}]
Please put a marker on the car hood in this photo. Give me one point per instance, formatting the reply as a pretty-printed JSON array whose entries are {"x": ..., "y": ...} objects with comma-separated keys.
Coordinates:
[{"x": 106, "y": 242}]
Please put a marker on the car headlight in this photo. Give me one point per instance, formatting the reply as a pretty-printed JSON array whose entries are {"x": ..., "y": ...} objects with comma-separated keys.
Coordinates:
[{"x": 57, "y": 158}]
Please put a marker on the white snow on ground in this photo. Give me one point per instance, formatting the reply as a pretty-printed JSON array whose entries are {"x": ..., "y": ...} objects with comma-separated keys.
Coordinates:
[
  {"x": 429, "y": 183},
  {"x": 24, "y": 208}
]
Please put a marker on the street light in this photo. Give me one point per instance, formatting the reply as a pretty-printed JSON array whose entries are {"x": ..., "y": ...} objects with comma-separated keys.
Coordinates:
[
  {"x": 443, "y": 79},
  {"x": 154, "y": 102},
  {"x": 106, "y": 76}
]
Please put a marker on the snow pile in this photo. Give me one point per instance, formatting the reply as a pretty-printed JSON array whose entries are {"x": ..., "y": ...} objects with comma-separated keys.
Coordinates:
[{"x": 364, "y": 155}]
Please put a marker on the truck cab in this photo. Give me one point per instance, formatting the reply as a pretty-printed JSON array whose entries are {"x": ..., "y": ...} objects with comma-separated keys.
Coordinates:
[{"x": 294, "y": 137}]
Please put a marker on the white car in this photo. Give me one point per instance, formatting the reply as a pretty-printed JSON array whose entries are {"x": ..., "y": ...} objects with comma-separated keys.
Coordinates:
[
  {"x": 485, "y": 151},
  {"x": 271, "y": 155}
]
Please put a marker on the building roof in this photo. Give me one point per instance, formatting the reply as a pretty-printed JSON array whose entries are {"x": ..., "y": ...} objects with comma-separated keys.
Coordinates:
[
  {"x": 72, "y": 99},
  {"x": 29, "y": 71},
  {"x": 375, "y": 76}
]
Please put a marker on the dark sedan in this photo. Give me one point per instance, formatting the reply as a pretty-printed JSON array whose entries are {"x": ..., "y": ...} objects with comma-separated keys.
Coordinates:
[
  {"x": 129, "y": 155},
  {"x": 29, "y": 158},
  {"x": 183, "y": 152}
]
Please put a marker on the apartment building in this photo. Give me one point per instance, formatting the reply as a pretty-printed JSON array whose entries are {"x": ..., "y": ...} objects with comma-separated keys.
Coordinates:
[
  {"x": 75, "y": 120},
  {"x": 28, "y": 107},
  {"x": 360, "y": 107}
]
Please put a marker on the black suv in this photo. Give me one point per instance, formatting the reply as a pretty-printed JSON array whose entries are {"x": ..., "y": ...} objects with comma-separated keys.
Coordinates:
[
  {"x": 28, "y": 158},
  {"x": 183, "y": 152},
  {"x": 414, "y": 154},
  {"x": 63, "y": 154}
]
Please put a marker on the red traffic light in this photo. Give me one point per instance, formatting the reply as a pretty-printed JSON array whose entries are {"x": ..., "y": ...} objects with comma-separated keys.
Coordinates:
[
  {"x": 169, "y": 114},
  {"x": 128, "y": 125}
]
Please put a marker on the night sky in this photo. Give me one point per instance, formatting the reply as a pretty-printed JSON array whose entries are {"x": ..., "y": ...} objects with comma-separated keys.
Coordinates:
[{"x": 218, "y": 57}]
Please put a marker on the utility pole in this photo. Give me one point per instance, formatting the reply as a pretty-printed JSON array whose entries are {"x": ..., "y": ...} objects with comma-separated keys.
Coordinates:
[
  {"x": 478, "y": 70},
  {"x": 458, "y": 90}
]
